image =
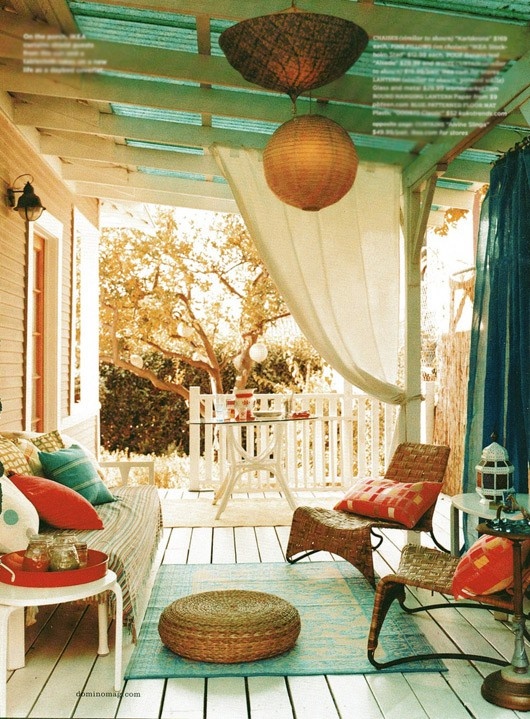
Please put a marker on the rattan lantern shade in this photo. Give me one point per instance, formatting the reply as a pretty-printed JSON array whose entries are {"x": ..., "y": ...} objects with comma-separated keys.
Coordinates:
[
  {"x": 293, "y": 51},
  {"x": 310, "y": 162}
]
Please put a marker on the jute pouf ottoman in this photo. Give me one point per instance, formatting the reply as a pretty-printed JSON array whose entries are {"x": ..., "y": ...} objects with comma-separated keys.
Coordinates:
[{"x": 229, "y": 626}]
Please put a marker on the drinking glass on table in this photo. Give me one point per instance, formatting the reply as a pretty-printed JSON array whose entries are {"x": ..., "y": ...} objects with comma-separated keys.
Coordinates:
[{"x": 219, "y": 404}]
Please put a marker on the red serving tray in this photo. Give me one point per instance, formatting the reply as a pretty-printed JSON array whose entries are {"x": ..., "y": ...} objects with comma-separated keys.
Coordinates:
[{"x": 95, "y": 569}]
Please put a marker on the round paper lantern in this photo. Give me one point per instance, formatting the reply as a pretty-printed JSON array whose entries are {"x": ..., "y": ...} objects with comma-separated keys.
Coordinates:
[
  {"x": 137, "y": 361},
  {"x": 310, "y": 162},
  {"x": 184, "y": 330},
  {"x": 258, "y": 352}
]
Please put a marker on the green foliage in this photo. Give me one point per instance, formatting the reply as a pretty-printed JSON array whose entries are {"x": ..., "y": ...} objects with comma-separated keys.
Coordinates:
[
  {"x": 136, "y": 417},
  {"x": 292, "y": 368},
  {"x": 183, "y": 291}
]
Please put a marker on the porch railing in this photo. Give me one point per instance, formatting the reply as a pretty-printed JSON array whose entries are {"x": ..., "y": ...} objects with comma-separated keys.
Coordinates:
[{"x": 351, "y": 437}]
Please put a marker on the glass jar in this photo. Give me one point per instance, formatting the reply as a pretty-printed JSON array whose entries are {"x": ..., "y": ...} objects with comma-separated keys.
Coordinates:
[
  {"x": 63, "y": 554},
  {"x": 82, "y": 552},
  {"x": 37, "y": 554},
  {"x": 81, "y": 547}
]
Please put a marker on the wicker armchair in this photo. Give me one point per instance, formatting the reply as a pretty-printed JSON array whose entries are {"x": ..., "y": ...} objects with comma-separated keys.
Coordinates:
[
  {"x": 348, "y": 535},
  {"x": 425, "y": 568}
]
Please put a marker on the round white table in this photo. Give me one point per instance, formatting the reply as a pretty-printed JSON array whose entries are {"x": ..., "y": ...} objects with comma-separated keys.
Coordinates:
[
  {"x": 242, "y": 459},
  {"x": 472, "y": 503},
  {"x": 14, "y": 598}
]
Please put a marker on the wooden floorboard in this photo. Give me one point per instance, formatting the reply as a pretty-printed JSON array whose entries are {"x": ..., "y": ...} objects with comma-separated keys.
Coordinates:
[{"x": 64, "y": 676}]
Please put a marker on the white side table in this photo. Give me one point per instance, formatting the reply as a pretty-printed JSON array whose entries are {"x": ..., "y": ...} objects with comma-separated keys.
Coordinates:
[
  {"x": 14, "y": 598},
  {"x": 471, "y": 503}
]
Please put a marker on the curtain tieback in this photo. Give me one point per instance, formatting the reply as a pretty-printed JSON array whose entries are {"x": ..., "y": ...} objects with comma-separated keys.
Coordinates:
[{"x": 414, "y": 398}]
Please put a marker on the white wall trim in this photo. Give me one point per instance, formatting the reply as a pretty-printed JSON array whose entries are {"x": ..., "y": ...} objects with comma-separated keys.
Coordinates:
[
  {"x": 52, "y": 230},
  {"x": 88, "y": 406}
]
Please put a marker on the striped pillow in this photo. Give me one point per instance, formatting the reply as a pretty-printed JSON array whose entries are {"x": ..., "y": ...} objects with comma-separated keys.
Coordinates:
[{"x": 73, "y": 467}]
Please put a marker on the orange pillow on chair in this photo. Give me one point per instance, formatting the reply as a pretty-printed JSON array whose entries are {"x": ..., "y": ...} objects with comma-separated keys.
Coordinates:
[
  {"x": 486, "y": 568},
  {"x": 402, "y": 502}
]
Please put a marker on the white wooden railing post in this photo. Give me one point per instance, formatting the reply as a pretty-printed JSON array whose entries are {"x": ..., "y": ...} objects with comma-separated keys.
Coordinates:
[
  {"x": 427, "y": 424},
  {"x": 346, "y": 436},
  {"x": 195, "y": 438}
]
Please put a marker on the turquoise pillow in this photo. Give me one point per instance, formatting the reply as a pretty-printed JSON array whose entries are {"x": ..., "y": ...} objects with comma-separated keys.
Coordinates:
[{"x": 73, "y": 467}]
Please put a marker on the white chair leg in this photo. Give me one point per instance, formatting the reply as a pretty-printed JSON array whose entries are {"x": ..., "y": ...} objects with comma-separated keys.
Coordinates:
[
  {"x": 103, "y": 639},
  {"x": 16, "y": 654},
  {"x": 118, "y": 644},
  {"x": 5, "y": 613}
]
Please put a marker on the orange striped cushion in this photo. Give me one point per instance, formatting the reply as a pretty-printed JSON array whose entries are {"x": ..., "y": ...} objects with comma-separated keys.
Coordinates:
[{"x": 402, "y": 502}]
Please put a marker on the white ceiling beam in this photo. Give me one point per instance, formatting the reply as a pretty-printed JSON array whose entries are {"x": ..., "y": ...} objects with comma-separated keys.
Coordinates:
[
  {"x": 143, "y": 181},
  {"x": 514, "y": 90},
  {"x": 160, "y": 95},
  {"x": 223, "y": 103},
  {"x": 165, "y": 132},
  {"x": 71, "y": 116},
  {"x": 89, "y": 121},
  {"x": 173, "y": 199},
  {"x": 58, "y": 13},
  {"x": 461, "y": 199},
  {"x": 201, "y": 100},
  {"x": 97, "y": 149}
]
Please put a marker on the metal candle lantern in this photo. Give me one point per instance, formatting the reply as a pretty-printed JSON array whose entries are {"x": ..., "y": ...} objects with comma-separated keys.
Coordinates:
[{"x": 494, "y": 472}]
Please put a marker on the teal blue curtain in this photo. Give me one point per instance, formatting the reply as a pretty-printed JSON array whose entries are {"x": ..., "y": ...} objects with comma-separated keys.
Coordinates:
[{"x": 499, "y": 373}]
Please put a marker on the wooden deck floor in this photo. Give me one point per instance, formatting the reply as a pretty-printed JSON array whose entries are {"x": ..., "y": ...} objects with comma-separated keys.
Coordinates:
[{"x": 64, "y": 677}]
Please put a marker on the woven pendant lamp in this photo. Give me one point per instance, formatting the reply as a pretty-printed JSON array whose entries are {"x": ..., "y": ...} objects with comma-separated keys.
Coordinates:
[
  {"x": 310, "y": 162},
  {"x": 293, "y": 51}
]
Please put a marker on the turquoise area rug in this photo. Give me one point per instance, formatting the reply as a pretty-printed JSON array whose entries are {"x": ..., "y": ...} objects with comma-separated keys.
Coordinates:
[{"x": 335, "y": 605}]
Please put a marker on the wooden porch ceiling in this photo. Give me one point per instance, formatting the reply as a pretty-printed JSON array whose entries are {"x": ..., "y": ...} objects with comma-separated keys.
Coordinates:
[{"x": 140, "y": 130}]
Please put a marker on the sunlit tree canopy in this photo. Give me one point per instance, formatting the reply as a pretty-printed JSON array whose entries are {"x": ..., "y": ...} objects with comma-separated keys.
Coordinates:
[{"x": 197, "y": 294}]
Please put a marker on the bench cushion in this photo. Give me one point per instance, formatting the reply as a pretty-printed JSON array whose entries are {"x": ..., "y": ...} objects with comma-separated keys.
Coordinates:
[{"x": 132, "y": 529}]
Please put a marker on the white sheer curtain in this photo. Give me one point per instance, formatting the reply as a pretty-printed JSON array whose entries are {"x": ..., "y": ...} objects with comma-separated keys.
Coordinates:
[{"x": 337, "y": 269}]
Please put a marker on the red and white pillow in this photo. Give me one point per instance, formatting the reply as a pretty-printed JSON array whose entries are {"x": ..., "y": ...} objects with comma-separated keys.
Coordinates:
[
  {"x": 401, "y": 502},
  {"x": 486, "y": 568}
]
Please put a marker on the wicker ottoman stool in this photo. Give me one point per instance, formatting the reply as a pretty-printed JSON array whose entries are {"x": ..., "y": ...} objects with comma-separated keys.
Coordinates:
[{"x": 229, "y": 626}]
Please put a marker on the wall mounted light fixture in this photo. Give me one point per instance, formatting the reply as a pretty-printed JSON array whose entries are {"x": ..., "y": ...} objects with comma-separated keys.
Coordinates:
[{"x": 29, "y": 206}]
